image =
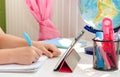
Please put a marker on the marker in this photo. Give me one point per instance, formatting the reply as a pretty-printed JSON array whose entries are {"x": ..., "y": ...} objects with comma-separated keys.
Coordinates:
[
  {"x": 28, "y": 39},
  {"x": 100, "y": 61}
]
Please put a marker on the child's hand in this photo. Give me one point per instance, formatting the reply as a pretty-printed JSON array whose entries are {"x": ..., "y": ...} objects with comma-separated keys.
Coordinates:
[
  {"x": 26, "y": 55},
  {"x": 47, "y": 49}
]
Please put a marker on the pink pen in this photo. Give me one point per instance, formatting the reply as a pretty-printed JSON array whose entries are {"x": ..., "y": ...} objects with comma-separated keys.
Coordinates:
[{"x": 108, "y": 35}]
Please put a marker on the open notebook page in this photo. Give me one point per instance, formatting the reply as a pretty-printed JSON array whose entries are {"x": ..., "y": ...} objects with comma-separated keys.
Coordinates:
[
  {"x": 23, "y": 68},
  {"x": 26, "y": 68}
]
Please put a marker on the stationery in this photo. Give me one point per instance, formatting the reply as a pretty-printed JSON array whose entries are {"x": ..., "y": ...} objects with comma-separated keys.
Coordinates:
[
  {"x": 16, "y": 68},
  {"x": 28, "y": 39},
  {"x": 108, "y": 35},
  {"x": 102, "y": 56},
  {"x": 100, "y": 61}
]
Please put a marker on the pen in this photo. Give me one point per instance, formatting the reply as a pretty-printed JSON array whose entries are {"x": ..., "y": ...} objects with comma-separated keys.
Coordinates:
[{"x": 28, "y": 39}]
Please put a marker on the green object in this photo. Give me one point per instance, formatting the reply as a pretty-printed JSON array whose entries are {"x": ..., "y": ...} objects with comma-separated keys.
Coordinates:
[
  {"x": 94, "y": 11},
  {"x": 2, "y": 15}
]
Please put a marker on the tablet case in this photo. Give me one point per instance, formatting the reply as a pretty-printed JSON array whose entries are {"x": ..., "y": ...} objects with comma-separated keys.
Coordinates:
[
  {"x": 69, "y": 62},
  {"x": 70, "y": 58}
]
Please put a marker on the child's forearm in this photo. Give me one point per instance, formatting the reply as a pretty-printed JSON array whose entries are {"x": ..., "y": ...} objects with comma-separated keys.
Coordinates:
[
  {"x": 6, "y": 56},
  {"x": 9, "y": 41}
]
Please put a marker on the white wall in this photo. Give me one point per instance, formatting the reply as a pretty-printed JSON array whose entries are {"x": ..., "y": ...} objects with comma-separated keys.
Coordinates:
[
  {"x": 19, "y": 19},
  {"x": 66, "y": 17}
]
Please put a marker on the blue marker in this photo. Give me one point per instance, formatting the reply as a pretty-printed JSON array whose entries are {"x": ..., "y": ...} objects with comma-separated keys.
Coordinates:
[
  {"x": 100, "y": 61},
  {"x": 28, "y": 39}
]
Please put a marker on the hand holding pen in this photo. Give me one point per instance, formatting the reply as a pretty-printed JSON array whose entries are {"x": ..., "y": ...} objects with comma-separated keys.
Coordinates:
[{"x": 46, "y": 49}]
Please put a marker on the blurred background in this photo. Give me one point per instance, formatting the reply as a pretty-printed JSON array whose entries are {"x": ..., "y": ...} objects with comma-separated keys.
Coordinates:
[{"x": 66, "y": 17}]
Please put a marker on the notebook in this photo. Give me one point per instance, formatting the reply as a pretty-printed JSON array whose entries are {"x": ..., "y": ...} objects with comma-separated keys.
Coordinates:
[{"x": 24, "y": 68}]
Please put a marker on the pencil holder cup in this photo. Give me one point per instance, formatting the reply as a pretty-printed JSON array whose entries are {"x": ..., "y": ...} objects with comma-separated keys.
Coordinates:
[{"x": 105, "y": 54}]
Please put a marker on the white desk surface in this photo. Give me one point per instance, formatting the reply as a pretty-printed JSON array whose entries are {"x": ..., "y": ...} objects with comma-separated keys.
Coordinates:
[{"x": 83, "y": 69}]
